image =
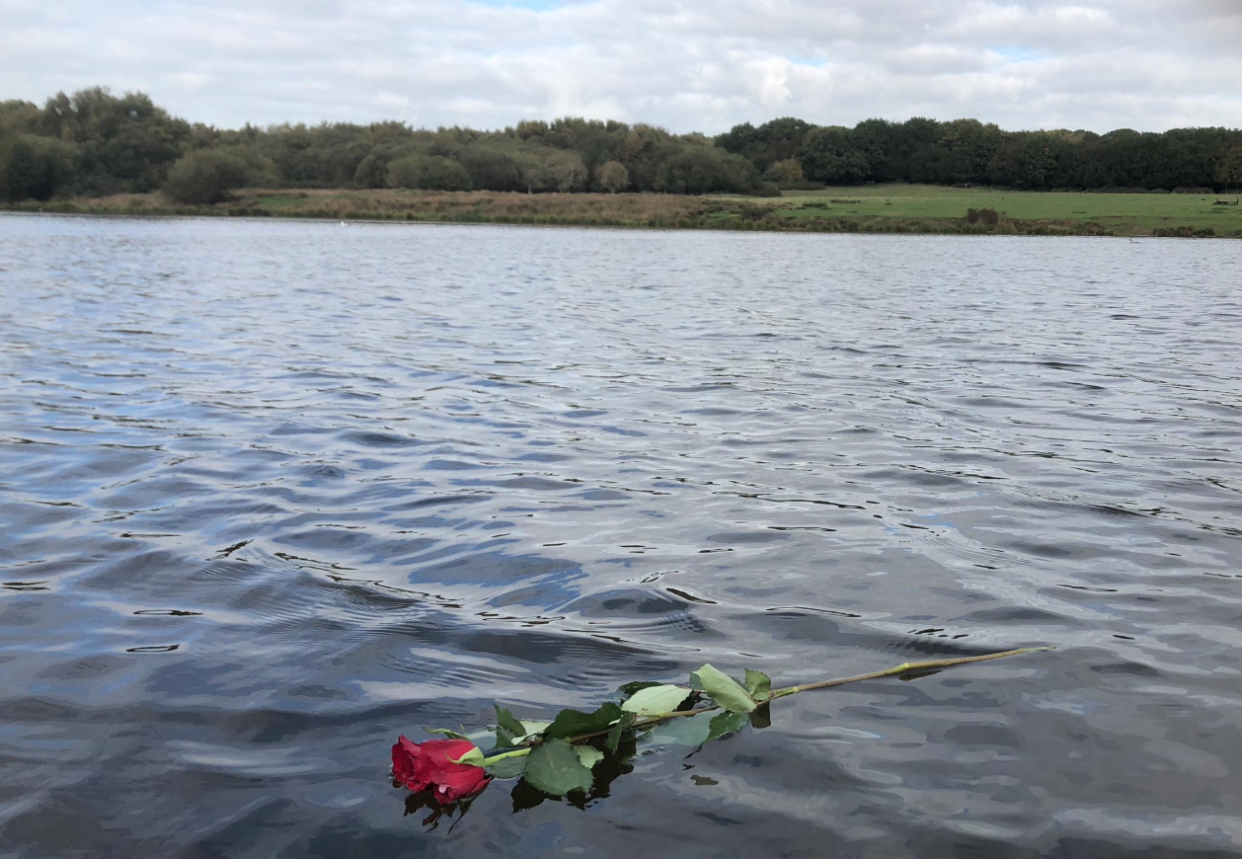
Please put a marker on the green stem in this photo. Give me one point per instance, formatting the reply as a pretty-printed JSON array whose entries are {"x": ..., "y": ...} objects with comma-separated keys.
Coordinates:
[
  {"x": 495, "y": 759},
  {"x": 904, "y": 668}
]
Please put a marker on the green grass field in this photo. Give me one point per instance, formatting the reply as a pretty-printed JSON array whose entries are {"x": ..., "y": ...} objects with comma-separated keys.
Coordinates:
[{"x": 1122, "y": 214}]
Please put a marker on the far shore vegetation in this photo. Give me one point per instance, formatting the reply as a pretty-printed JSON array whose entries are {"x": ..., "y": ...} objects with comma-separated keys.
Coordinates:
[
  {"x": 94, "y": 152},
  {"x": 865, "y": 209}
]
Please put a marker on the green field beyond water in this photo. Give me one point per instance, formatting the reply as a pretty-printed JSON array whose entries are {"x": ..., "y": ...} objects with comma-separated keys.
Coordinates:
[
  {"x": 868, "y": 209},
  {"x": 1121, "y": 214}
]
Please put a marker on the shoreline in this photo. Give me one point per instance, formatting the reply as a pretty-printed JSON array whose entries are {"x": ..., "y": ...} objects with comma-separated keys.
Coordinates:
[
  {"x": 914, "y": 211},
  {"x": 398, "y": 222}
]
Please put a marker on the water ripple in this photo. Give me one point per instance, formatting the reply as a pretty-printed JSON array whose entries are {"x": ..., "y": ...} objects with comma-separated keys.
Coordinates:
[{"x": 275, "y": 492}]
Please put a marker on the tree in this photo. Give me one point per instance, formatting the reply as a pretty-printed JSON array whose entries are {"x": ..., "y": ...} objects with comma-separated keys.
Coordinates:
[
  {"x": 18, "y": 117},
  {"x": 491, "y": 169},
  {"x": 403, "y": 172},
  {"x": 372, "y": 170},
  {"x": 644, "y": 149},
  {"x": 390, "y": 132},
  {"x": 968, "y": 147},
  {"x": 1228, "y": 172},
  {"x": 913, "y": 154},
  {"x": 773, "y": 141},
  {"x": 832, "y": 155},
  {"x": 22, "y": 175},
  {"x": 35, "y": 168},
  {"x": 875, "y": 138},
  {"x": 706, "y": 170},
  {"x": 739, "y": 139},
  {"x": 1186, "y": 158},
  {"x": 429, "y": 173},
  {"x": 786, "y": 172},
  {"x": 1025, "y": 161},
  {"x": 208, "y": 176},
  {"x": 93, "y": 142},
  {"x": 1127, "y": 159},
  {"x": 1067, "y": 152},
  {"x": 536, "y": 175},
  {"x": 595, "y": 142},
  {"x": 568, "y": 170},
  {"x": 612, "y": 177},
  {"x": 128, "y": 144}
]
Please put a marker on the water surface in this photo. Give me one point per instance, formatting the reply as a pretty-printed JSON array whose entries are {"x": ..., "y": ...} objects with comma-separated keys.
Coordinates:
[{"x": 272, "y": 493}]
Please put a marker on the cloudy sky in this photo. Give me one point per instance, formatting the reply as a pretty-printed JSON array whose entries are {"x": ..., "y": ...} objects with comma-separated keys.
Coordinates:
[{"x": 684, "y": 64}]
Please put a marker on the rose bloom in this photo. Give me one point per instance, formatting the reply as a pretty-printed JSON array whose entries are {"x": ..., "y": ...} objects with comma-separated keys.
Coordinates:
[{"x": 429, "y": 765}]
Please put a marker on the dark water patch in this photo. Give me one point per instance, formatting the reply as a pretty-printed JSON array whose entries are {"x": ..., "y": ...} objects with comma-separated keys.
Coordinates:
[
  {"x": 379, "y": 440},
  {"x": 746, "y": 537}
]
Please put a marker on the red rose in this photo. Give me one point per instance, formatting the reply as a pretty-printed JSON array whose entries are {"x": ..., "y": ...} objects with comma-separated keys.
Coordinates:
[{"x": 429, "y": 764}]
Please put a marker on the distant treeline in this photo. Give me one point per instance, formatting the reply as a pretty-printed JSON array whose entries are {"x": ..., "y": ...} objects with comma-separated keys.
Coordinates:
[{"x": 94, "y": 143}]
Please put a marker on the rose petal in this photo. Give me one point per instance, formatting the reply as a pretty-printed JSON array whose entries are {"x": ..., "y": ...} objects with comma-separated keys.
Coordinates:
[
  {"x": 455, "y": 786},
  {"x": 434, "y": 756},
  {"x": 432, "y": 764},
  {"x": 407, "y": 757}
]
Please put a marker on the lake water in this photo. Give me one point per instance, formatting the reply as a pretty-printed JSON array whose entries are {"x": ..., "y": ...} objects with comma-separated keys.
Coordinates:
[{"x": 273, "y": 493}]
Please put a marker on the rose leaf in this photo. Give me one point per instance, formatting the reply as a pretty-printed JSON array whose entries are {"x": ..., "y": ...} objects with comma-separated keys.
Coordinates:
[
  {"x": 508, "y": 768},
  {"x": 588, "y": 755},
  {"x": 692, "y": 731},
  {"x": 572, "y": 723},
  {"x": 630, "y": 688},
  {"x": 722, "y": 689},
  {"x": 618, "y": 730},
  {"x": 656, "y": 700},
  {"x": 508, "y": 729},
  {"x": 759, "y": 685},
  {"x": 555, "y": 768},
  {"x": 727, "y": 723}
]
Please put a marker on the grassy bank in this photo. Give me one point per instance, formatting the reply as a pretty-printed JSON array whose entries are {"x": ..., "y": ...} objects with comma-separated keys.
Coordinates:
[
  {"x": 870, "y": 209},
  {"x": 1091, "y": 213}
]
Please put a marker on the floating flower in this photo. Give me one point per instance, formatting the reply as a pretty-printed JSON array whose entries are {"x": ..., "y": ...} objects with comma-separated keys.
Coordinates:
[
  {"x": 576, "y": 755},
  {"x": 435, "y": 766}
]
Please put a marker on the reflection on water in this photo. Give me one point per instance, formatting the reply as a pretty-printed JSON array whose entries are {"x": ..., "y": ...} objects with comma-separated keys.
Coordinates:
[{"x": 274, "y": 493}]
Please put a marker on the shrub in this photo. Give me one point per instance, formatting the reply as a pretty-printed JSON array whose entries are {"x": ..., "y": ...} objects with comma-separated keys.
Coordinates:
[
  {"x": 990, "y": 217},
  {"x": 785, "y": 173},
  {"x": 209, "y": 176}
]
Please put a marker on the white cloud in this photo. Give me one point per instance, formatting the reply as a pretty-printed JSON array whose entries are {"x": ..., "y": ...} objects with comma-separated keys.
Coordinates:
[
  {"x": 769, "y": 82},
  {"x": 685, "y": 64}
]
